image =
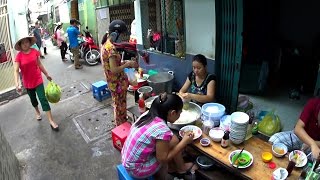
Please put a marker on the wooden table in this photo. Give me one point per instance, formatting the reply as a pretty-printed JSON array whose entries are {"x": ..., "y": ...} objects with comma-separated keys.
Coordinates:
[{"x": 258, "y": 170}]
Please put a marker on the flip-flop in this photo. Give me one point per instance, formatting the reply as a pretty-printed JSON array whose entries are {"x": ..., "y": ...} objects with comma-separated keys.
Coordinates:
[
  {"x": 182, "y": 175},
  {"x": 39, "y": 118}
]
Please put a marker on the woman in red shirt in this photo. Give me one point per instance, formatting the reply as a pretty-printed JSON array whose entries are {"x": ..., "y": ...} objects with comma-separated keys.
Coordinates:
[
  {"x": 306, "y": 131},
  {"x": 28, "y": 61}
]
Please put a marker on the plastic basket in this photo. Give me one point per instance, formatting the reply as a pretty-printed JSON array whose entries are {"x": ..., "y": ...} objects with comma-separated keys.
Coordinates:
[{"x": 311, "y": 175}]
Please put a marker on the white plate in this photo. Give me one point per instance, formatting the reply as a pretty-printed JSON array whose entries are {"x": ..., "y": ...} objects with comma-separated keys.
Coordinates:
[
  {"x": 238, "y": 151},
  {"x": 240, "y": 118},
  {"x": 196, "y": 131},
  {"x": 302, "y": 158}
]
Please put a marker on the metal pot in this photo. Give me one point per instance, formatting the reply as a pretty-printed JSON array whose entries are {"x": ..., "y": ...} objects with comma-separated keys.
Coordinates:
[
  {"x": 146, "y": 91},
  {"x": 161, "y": 82}
]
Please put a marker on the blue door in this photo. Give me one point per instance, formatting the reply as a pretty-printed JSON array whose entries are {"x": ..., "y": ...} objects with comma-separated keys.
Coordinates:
[{"x": 229, "y": 27}]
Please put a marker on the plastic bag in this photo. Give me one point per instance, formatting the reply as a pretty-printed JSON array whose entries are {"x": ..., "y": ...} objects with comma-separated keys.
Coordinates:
[
  {"x": 131, "y": 73},
  {"x": 53, "y": 92},
  {"x": 270, "y": 124}
]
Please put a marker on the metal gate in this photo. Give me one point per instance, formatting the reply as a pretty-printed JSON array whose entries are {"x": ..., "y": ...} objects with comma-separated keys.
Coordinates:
[
  {"x": 229, "y": 18},
  {"x": 124, "y": 12},
  {"x": 6, "y": 50}
]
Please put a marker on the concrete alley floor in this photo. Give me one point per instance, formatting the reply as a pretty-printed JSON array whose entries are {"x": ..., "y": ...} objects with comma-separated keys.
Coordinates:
[{"x": 44, "y": 154}]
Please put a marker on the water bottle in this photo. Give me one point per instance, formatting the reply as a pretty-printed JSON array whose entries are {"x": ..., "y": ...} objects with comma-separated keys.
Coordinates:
[{"x": 193, "y": 175}]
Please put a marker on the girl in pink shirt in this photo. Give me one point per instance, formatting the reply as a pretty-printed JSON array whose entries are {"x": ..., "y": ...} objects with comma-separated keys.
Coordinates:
[
  {"x": 28, "y": 61},
  {"x": 151, "y": 148}
]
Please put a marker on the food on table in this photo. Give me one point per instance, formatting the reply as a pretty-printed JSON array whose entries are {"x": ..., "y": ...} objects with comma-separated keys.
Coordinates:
[
  {"x": 212, "y": 109},
  {"x": 187, "y": 131},
  {"x": 205, "y": 142},
  {"x": 266, "y": 157},
  {"x": 196, "y": 131},
  {"x": 186, "y": 117},
  {"x": 186, "y": 105},
  {"x": 242, "y": 160},
  {"x": 279, "y": 150},
  {"x": 298, "y": 157},
  {"x": 246, "y": 155}
]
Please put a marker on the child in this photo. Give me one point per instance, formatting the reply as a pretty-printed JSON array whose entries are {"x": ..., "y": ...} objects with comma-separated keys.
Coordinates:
[
  {"x": 28, "y": 61},
  {"x": 151, "y": 148}
]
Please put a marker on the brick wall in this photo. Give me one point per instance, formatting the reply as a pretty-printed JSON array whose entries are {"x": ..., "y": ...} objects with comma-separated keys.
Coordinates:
[{"x": 9, "y": 165}]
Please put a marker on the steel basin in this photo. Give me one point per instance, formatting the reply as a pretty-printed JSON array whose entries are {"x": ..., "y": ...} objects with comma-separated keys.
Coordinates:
[
  {"x": 192, "y": 107},
  {"x": 161, "y": 82}
]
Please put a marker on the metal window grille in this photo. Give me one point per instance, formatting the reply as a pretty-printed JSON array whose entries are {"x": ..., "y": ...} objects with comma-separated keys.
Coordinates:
[
  {"x": 105, "y": 3},
  {"x": 125, "y": 12},
  {"x": 6, "y": 52},
  {"x": 163, "y": 26}
]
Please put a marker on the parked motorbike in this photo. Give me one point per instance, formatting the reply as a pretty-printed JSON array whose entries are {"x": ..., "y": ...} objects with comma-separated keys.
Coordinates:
[{"x": 89, "y": 51}]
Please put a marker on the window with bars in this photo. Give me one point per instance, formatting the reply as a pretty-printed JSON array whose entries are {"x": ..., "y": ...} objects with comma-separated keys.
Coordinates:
[
  {"x": 105, "y": 3},
  {"x": 163, "y": 26}
]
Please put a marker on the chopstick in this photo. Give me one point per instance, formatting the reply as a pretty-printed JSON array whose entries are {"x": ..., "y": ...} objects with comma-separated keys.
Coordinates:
[
  {"x": 291, "y": 142},
  {"x": 238, "y": 158}
]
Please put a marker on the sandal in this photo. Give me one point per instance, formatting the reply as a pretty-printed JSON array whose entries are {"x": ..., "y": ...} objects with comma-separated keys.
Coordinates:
[
  {"x": 39, "y": 118},
  {"x": 182, "y": 175}
]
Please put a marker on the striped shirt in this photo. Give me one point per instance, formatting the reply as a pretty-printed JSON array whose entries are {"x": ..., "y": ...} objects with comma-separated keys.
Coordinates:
[{"x": 139, "y": 150}]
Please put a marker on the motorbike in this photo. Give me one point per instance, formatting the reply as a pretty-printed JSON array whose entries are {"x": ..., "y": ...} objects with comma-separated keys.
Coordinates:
[{"x": 89, "y": 51}]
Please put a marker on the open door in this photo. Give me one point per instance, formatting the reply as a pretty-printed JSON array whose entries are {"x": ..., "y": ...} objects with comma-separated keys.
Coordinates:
[{"x": 229, "y": 27}]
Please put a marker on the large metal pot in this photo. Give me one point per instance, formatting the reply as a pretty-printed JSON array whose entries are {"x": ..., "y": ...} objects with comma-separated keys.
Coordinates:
[
  {"x": 161, "y": 82},
  {"x": 193, "y": 107}
]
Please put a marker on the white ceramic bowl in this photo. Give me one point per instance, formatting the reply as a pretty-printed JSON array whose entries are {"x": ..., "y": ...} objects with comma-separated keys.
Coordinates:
[
  {"x": 279, "y": 146},
  {"x": 205, "y": 142},
  {"x": 216, "y": 134},
  {"x": 302, "y": 158},
  {"x": 239, "y": 118},
  {"x": 276, "y": 174}
]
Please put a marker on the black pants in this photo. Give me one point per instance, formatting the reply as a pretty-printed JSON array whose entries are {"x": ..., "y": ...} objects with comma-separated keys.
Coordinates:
[{"x": 63, "y": 49}]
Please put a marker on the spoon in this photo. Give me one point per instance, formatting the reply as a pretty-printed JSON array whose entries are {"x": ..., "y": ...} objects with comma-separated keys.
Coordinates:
[{"x": 282, "y": 173}]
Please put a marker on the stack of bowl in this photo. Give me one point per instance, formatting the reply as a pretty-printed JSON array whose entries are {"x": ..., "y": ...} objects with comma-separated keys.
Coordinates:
[
  {"x": 238, "y": 127},
  {"x": 212, "y": 112}
]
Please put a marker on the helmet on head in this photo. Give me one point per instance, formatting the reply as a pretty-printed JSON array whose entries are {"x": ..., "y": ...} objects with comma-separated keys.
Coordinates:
[{"x": 118, "y": 26}]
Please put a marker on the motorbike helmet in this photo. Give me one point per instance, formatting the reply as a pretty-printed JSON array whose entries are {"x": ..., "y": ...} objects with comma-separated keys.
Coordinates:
[{"x": 118, "y": 26}]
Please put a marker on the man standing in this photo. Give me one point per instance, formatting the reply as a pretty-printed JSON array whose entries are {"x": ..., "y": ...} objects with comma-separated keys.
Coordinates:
[
  {"x": 37, "y": 35},
  {"x": 73, "y": 33}
]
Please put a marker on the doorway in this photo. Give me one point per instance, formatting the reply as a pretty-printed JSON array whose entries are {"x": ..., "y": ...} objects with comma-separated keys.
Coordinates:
[{"x": 280, "y": 55}]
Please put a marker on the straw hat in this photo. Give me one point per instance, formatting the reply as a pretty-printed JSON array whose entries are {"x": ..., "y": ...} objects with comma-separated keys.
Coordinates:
[{"x": 32, "y": 40}]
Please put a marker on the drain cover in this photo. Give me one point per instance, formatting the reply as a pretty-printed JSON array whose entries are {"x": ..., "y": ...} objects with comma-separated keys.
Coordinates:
[
  {"x": 73, "y": 90},
  {"x": 96, "y": 123}
]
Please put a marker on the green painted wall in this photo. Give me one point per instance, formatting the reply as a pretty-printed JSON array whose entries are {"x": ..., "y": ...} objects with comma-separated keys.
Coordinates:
[{"x": 87, "y": 17}]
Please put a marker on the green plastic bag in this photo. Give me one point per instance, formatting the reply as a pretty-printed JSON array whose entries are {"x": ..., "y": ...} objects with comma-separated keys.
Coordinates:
[
  {"x": 270, "y": 124},
  {"x": 53, "y": 92}
]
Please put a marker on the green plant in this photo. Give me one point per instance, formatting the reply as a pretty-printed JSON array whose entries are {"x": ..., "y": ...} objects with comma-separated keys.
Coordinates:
[{"x": 50, "y": 26}]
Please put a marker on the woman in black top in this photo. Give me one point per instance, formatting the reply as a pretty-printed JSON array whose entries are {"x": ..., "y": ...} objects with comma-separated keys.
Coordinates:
[{"x": 200, "y": 85}]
